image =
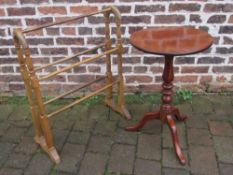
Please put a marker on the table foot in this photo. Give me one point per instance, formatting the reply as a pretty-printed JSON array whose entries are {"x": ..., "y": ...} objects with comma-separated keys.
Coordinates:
[
  {"x": 177, "y": 114},
  {"x": 172, "y": 127},
  {"x": 147, "y": 117}
]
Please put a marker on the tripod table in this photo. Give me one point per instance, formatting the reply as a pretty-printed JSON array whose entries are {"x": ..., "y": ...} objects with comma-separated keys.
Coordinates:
[{"x": 169, "y": 42}]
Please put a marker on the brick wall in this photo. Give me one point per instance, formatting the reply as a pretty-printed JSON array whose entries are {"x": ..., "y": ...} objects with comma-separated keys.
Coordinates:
[{"x": 207, "y": 71}]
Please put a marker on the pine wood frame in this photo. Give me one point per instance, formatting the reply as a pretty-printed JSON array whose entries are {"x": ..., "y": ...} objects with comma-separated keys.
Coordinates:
[{"x": 43, "y": 134}]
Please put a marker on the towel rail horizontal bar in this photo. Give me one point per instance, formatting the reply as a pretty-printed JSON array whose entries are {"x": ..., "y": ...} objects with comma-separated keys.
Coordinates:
[
  {"x": 77, "y": 64},
  {"x": 64, "y": 21},
  {"x": 70, "y": 57},
  {"x": 74, "y": 90},
  {"x": 82, "y": 99}
]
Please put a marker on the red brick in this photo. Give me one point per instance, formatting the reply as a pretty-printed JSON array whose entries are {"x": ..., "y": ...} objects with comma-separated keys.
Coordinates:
[
  {"x": 2, "y": 32},
  {"x": 231, "y": 60},
  {"x": 6, "y": 42},
  {"x": 164, "y": 19},
  {"x": 129, "y": 60},
  {"x": 186, "y": 79},
  {"x": 54, "y": 51},
  {"x": 195, "y": 69},
  {"x": 149, "y": 88},
  {"x": 2, "y": 13},
  {"x": 221, "y": 78},
  {"x": 149, "y": 8},
  {"x": 94, "y": 1},
  {"x": 95, "y": 40},
  {"x": 67, "y": 1},
  {"x": 52, "y": 10},
  {"x": 70, "y": 41},
  {"x": 156, "y": 69},
  {"x": 124, "y": 9},
  {"x": 184, "y": 60},
  {"x": 220, "y": 128},
  {"x": 210, "y": 60},
  {"x": 190, "y": 7},
  {"x": 68, "y": 31},
  {"x": 7, "y": 69},
  {"x": 33, "y": 1},
  {"x": 218, "y": 7},
  {"x": 227, "y": 40},
  {"x": 80, "y": 69},
  {"x": 81, "y": 78},
  {"x": 41, "y": 21},
  {"x": 134, "y": 29},
  {"x": 138, "y": 79},
  {"x": 217, "y": 19},
  {"x": 206, "y": 79},
  {"x": 16, "y": 87},
  {"x": 11, "y": 22},
  {"x": 223, "y": 69},
  {"x": 152, "y": 60},
  {"x": 37, "y": 41},
  {"x": 12, "y": 78},
  {"x": 53, "y": 31},
  {"x": 23, "y": 11},
  {"x": 231, "y": 19},
  {"x": 4, "y": 51},
  {"x": 136, "y": 19},
  {"x": 140, "y": 69},
  {"x": 85, "y": 31},
  {"x": 226, "y": 30},
  {"x": 83, "y": 9},
  {"x": 93, "y": 69},
  {"x": 8, "y": 2},
  {"x": 126, "y": 69},
  {"x": 195, "y": 18}
]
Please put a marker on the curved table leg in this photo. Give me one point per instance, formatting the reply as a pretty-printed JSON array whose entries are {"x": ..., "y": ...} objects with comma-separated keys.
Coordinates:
[
  {"x": 147, "y": 117},
  {"x": 177, "y": 114},
  {"x": 175, "y": 140}
]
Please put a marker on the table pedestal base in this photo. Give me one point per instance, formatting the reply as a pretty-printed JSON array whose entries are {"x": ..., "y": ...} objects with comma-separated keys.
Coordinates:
[
  {"x": 167, "y": 111},
  {"x": 166, "y": 117}
]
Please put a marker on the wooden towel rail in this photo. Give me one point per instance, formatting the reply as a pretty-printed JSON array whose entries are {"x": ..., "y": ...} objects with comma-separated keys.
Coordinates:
[{"x": 43, "y": 134}]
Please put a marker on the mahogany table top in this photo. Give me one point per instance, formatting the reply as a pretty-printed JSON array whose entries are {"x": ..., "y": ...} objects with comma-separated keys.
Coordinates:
[{"x": 171, "y": 40}]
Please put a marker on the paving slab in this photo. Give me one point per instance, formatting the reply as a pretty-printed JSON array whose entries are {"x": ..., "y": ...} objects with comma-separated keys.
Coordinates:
[
  {"x": 224, "y": 148},
  {"x": 99, "y": 144},
  {"x": 172, "y": 171},
  {"x": 20, "y": 112},
  {"x": 17, "y": 160},
  {"x": 202, "y": 105},
  {"x": 26, "y": 146},
  {"x": 170, "y": 160},
  {"x": 225, "y": 169},
  {"x": 199, "y": 137},
  {"x": 125, "y": 137},
  {"x": 121, "y": 159},
  {"x": 93, "y": 164},
  {"x": 71, "y": 157},
  {"x": 6, "y": 110},
  {"x": 79, "y": 137},
  {"x": 39, "y": 165},
  {"x": 147, "y": 167},
  {"x": 106, "y": 128},
  {"x": 220, "y": 128},
  {"x": 11, "y": 171},
  {"x": 200, "y": 154},
  {"x": 149, "y": 147}
]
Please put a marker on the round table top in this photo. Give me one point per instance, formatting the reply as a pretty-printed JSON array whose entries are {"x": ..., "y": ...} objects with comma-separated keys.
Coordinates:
[{"x": 171, "y": 40}]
